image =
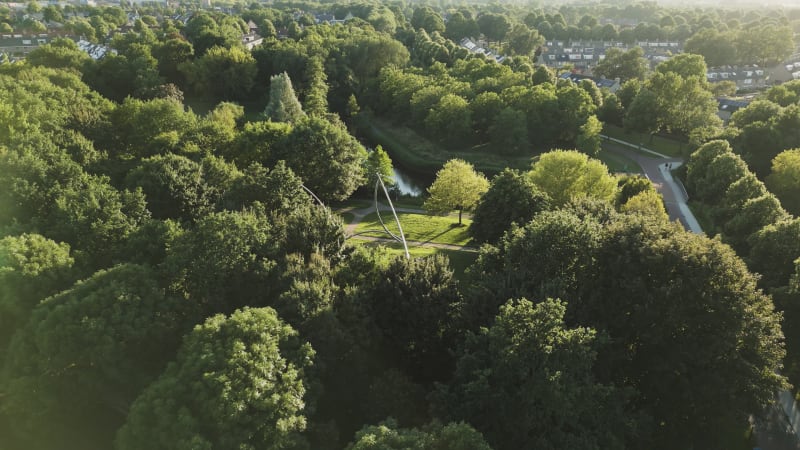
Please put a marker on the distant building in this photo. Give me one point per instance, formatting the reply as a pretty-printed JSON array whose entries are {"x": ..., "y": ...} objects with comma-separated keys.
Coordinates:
[
  {"x": 745, "y": 77},
  {"x": 95, "y": 51},
  {"x": 728, "y": 106},
  {"x": 251, "y": 40},
  {"x": 19, "y": 44},
  {"x": 473, "y": 47},
  {"x": 584, "y": 55},
  {"x": 602, "y": 83}
]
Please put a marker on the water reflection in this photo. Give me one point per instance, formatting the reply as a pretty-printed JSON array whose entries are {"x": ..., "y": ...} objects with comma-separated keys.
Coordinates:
[{"x": 406, "y": 184}]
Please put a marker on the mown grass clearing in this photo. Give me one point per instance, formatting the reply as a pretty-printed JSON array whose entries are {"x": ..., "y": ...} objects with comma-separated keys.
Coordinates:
[
  {"x": 420, "y": 227},
  {"x": 669, "y": 147},
  {"x": 618, "y": 163}
]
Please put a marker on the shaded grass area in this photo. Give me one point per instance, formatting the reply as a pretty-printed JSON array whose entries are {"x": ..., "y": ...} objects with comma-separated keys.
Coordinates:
[
  {"x": 661, "y": 144},
  {"x": 618, "y": 163},
  {"x": 420, "y": 227},
  {"x": 420, "y": 155},
  {"x": 459, "y": 261},
  {"x": 347, "y": 217}
]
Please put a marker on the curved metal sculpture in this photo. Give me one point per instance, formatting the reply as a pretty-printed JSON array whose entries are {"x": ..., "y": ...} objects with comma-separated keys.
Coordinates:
[
  {"x": 378, "y": 182},
  {"x": 402, "y": 237}
]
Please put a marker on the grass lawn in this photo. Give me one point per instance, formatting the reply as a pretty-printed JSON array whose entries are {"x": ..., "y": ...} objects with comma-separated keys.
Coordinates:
[
  {"x": 420, "y": 227},
  {"x": 619, "y": 163},
  {"x": 419, "y": 154},
  {"x": 347, "y": 217},
  {"x": 660, "y": 144},
  {"x": 459, "y": 261}
]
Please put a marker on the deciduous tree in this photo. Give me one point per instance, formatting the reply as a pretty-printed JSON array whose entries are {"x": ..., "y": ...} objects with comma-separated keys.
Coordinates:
[{"x": 457, "y": 186}]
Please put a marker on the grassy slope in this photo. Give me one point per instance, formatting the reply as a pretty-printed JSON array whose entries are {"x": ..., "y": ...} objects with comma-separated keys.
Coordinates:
[
  {"x": 459, "y": 261},
  {"x": 420, "y": 155},
  {"x": 660, "y": 144}
]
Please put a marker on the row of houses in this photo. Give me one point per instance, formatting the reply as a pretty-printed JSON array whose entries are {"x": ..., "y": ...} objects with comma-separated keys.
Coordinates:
[
  {"x": 584, "y": 55},
  {"x": 477, "y": 49},
  {"x": 603, "y": 83}
]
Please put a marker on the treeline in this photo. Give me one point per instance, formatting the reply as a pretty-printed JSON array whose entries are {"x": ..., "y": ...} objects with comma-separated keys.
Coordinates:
[
  {"x": 516, "y": 109},
  {"x": 749, "y": 187},
  {"x": 167, "y": 282}
]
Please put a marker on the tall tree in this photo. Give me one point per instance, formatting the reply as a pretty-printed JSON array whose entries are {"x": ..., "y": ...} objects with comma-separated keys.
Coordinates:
[
  {"x": 283, "y": 104},
  {"x": 324, "y": 154},
  {"x": 567, "y": 175},
  {"x": 87, "y": 352},
  {"x": 527, "y": 382},
  {"x": 457, "y": 186},
  {"x": 387, "y": 436},
  {"x": 625, "y": 65},
  {"x": 512, "y": 198},
  {"x": 238, "y": 382},
  {"x": 784, "y": 181}
]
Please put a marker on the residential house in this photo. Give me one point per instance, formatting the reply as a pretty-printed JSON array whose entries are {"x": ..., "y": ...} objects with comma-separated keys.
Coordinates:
[
  {"x": 584, "y": 55},
  {"x": 477, "y": 49},
  {"x": 251, "y": 40},
  {"x": 745, "y": 77},
  {"x": 728, "y": 106},
  {"x": 603, "y": 83},
  {"x": 19, "y": 45}
]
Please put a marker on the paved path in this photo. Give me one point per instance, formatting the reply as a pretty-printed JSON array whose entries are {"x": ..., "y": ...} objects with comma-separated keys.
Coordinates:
[{"x": 655, "y": 168}]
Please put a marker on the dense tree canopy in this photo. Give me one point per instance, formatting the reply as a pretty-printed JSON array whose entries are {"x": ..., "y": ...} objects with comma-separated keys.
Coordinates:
[{"x": 238, "y": 382}]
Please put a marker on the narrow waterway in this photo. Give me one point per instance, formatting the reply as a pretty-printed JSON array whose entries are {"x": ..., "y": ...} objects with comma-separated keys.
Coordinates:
[{"x": 407, "y": 184}]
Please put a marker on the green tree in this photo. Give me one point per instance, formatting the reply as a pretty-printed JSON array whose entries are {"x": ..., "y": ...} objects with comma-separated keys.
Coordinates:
[
  {"x": 88, "y": 351},
  {"x": 494, "y": 26},
  {"x": 459, "y": 27},
  {"x": 238, "y": 382},
  {"x": 225, "y": 73},
  {"x": 283, "y": 105},
  {"x": 784, "y": 181},
  {"x": 426, "y": 18},
  {"x": 685, "y": 65},
  {"x": 59, "y": 54},
  {"x": 512, "y": 198},
  {"x": 388, "y": 436},
  {"x": 718, "y": 49},
  {"x": 179, "y": 188},
  {"x": 328, "y": 159},
  {"x": 379, "y": 164},
  {"x": 773, "y": 251},
  {"x": 625, "y": 65},
  {"x": 588, "y": 140},
  {"x": 522, "y": 40},
  {"x": 457, "y": 186},
  {"x": 412, "y": 304},
  {"x": 649, "y": 203},
  {"x": 566, "y": 175},
  {"x": 509, "y": 132},
  {"x": 527, "y": 381},
  {"x": 450, "y": 120},
  {"x": 32, "y": 268}
]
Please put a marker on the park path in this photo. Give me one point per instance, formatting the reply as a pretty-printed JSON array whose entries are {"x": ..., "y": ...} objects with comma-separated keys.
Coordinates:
[
  {"x": 657, "y": 168},
  {"x": 360, "y": 213},
  {"x": 779, "y": 430}
]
